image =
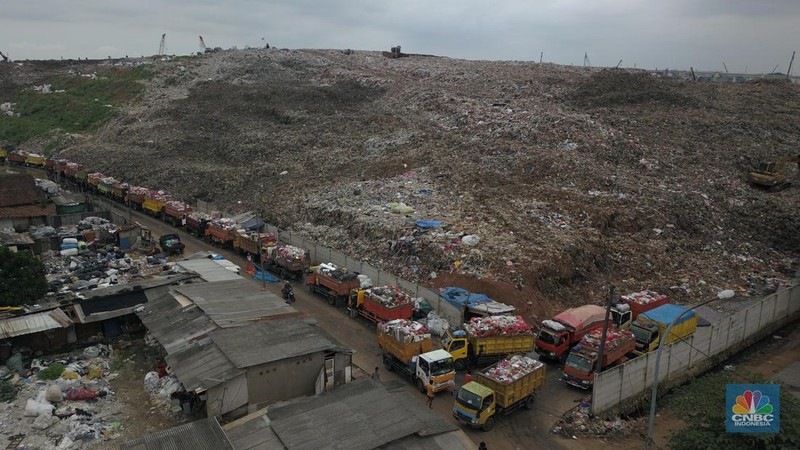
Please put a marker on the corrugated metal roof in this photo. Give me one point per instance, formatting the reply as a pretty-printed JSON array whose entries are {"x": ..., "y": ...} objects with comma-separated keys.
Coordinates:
[
  {"x": 360, "y": 415},
  {"x": 208, "y": 270},
  {"x": 253, "y": 433},
  {"x": 202, "y": 366},
  {"x": 174, "y": 327},
  {"x": 204, "y": 434},
  {"x": 272, "y": 341},
  {"x": 237, "y": 302},
  {"x": 33, "y": 323}
]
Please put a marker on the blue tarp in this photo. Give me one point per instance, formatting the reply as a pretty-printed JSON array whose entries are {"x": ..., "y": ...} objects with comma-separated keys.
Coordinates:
[
  {"x": 667, "y": 313},
  {"x": 429, "y": 223},
  {"x": 459, "y": 297},
  {"x": 265, "y": 276},
  {"x": 252, "y": 224}
]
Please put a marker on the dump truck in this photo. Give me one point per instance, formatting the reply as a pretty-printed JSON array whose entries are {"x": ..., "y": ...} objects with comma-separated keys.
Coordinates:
[
  {"x": 175, "y": 212},
  {"x": 581, "y": 364},
  {"x": 16, "y": 158},
  {"x": 136, "y": 196},
  {"x": 332, "y": 283},
  {"x": 772, "y": 174},
  {"x": 119, "y": 191},
  {"x": 106, "y": 185},
  {"x": 288, "y": 261},
  {"x": 472, "y": 304},
  {"x": 93, "y": 181},
  {"x": 3, "y": 155},
  {"x": 221, "y": 231},
  {"x": 407, "y": 350},
  {"x": 559, "y": 334},
  {"x": 34, "y": 160},
  {"x": 380, "y": 303},
  {"x": 196, "y": 223},
  {"x": 651, "y": 325},
  {"x": 154, "y": 204},
  {"x": 633, "y": 304},
  {"x": 486, "y": 340},
  {"x": 253, "y": 243},
  {"x": 171, "y": 244},
  {"x": 500, "y": 389}
]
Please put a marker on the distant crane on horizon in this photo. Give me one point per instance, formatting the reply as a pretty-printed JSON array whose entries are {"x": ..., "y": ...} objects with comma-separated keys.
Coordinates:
[
  {"x": 4, "y": 56},
  {"x": 586, "y": 62},
  {"x": 203, "y": 47}
]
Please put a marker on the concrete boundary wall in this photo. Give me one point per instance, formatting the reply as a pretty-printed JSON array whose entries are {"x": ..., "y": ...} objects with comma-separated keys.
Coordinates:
[
  {"x": 321, "y": 254},
  {"x": 627, "y": 387}
]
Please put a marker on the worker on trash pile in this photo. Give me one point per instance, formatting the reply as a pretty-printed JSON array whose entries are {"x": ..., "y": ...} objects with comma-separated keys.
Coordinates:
[
  {"x": 376, "y": 377},
  {"x": 431, "y": 394},
  {"x": 287, "y": 288}
]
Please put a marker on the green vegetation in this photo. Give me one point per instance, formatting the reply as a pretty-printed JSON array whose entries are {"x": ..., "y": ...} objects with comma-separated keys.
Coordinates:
[
  {"x": 7, "y": 392},
  {"x": 701, "y": 404},
  {"x": 22, "y": 278},
  {"x": 82, "y": 107},
  {"x": 52, "y": 372}
]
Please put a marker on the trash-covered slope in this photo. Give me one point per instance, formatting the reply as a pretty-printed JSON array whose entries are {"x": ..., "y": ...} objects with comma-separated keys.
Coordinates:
[{"x": 572, "y": 179}]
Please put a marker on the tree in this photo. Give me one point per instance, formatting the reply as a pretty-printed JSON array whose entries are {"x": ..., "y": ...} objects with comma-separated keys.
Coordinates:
[{"x": 22, "y": 278}]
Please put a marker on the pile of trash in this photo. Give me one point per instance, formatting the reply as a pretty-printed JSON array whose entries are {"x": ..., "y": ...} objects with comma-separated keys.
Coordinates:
[
  {"x": 613, "y": 336},
  {"x": 436, "y": 325},
  {"x": 178, "y": 207},
  {"x": 405, "y": 331},
  {"x": 63, "y": 399},
  {"x": 643, "y": 297},
  {"x": 498, "y": 326},
  {"x": 224, "y": 223},
  {"x": 580, "y": 422},
  {"x": 509, "y": 370},
  {"x": 153, "y": 194},
  {"x": 291, "y": 253},
  {"x": 388, "y": 295},
  {"x": 331, "y": 271},
  {"x": 101, "y": 267}
]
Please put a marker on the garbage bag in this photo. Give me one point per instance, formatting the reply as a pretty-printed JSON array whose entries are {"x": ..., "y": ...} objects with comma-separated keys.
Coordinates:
[
  {"x": 15, "y": 364},
  {"x": 151, "y": 381},
  {"x": 471, "y": 240},
  {"x": 35, "y": 408},
  {"x": 53, "y": 393},
  {"x": 91, "y": 352},
  {"x": 69, "y": 375},
  {"x": 79, "y": 393}
]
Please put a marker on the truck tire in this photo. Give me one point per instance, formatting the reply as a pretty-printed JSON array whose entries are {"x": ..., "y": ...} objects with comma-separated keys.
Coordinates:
[
  {"x": 529, "y": 402},
  {"x": 387, "y": 363},
  {"x": 420, "y": 385},
  {"x": 488, "y": 425},
  {"x": 332, "y": 300},
  {"x": 460, "y": 364}
]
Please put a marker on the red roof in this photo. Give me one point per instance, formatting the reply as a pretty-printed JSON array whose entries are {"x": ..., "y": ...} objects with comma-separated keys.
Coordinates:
[{"x": 18, "y": 190}]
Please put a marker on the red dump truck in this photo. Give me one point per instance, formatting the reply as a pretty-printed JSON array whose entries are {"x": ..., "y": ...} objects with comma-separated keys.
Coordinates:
[
  {"x": 221, "y": 231},
  {"x": 381, "y": 303},
  {"x": 561, "y": 332},
  {"x": 196, "y": 223},
  {"x": 175, "y": 212},
  {"x": 630, "y": 306},
  {"x": 333, "y": 283},
  {"x": 288, "y": 261},
  {"x": 136, "y": 196},
  {"x": 581, "y": 363}
]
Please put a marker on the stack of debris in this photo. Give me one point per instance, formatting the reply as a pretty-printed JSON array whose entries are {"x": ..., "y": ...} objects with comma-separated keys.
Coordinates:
[
  {"x": 581, "y": 422},
  {"x": 509, "y": 370},
  {"x": 405, "y": 331},
  {"x": 291, "y": 253},
  {"x": 644, "y": 297},
  {"x": 497, "y": 326},
  {"x": 330, "y": 270},
  {"x": 388, "y": 295},
  {"x": 594, "y": 337}
]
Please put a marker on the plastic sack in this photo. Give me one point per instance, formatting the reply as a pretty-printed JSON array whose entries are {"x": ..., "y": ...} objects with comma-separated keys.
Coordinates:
[
  {"x": 69, "y": 252},
  {"x": 53, "y": 393},
  {"x": 69, "y": 375},
  {"x": 91, "y": 352},
  {"x": 151, "y": 381},
  {"x": 471, "y": 240},
  {"x": 94, "y": 373},
  {"x": 79, "y": 393},
  {"x": 35, "y": 408},
  {"x": 15, "y": 363}
]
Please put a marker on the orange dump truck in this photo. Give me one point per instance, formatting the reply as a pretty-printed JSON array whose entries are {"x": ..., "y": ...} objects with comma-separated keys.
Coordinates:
[
  {"x": 407, "y": 350},
  {"x": 332, "y": 282},
  {"x": 381, "y": 303},
  {"x": 560, "y": 333},
  {"x": 581, "y": 363}
]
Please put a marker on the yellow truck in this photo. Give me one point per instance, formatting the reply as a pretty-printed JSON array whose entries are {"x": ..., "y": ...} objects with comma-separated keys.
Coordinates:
[
  {"x": 412, "y": 356},
  {"x": 500, "y": 389},
  {"x": 481, "y": 342},
  {"x": 651, "y": 325},
  {"x": 154, "y": 206}
]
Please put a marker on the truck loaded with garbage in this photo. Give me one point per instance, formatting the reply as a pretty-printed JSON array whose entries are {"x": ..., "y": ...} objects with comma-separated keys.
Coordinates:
[
  {"x": 582, "y": 362},
  {"x": 485, "y": 340},
  {"x": 288, "y": 261},
  {"x": 332, "y": 283},
  {"x": 381, "y": 303},
  {"x": 505, "y": 387},
  {"x": 559, "y": 334},
  {"x": 408, "y": 350}
]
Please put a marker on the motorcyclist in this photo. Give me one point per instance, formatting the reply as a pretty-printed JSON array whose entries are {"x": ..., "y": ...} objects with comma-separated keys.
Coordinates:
[{"x": 287, "y": 290}]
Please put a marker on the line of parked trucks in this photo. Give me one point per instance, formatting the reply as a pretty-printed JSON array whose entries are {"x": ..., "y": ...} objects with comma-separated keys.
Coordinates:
[{"x": 636, "y": 324}]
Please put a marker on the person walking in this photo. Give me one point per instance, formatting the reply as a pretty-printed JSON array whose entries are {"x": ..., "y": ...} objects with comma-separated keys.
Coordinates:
[
  {"x": 376, "y": 377},
  {"x": 431, "y": 394},
  {"x": 482, "y": 446}
]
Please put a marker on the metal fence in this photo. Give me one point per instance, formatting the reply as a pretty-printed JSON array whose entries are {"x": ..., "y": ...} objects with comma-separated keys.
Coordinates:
[
  {"x": 62, "y": 220},
  {"x": 623, "y": 388},
  {"x": 322, "y": 254}
]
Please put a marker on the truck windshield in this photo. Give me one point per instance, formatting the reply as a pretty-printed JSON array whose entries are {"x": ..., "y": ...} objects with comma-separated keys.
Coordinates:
[
  {"x": 579, "y": 363},
  {"x": 641, "y": 334},
  {"x": 446, "y": 341},
  {"x": 548, "y": 337},
  {"x": 469, "y": 399},
  {"x": 441, "y": 367}
]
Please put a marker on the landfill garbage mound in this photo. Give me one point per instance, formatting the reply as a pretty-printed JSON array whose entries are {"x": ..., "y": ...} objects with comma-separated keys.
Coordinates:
[
  {"x": 509, "y": 370},
  {"x": 538, "y": 184}
]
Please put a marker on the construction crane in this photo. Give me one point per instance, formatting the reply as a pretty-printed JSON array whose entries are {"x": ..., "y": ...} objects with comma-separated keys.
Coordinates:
[
  {"x": 162, "y": 47},
  {"x": 586, "y": 62},
  {"x": 5, "y": 58},
  {"x": 203, "y": 47}
]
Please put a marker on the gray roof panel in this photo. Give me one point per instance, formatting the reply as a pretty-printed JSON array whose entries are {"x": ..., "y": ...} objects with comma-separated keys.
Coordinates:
[{"x": 205, "y": 434}]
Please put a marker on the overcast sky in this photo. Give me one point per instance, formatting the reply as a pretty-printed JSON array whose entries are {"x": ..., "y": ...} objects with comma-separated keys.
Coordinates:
[{"x": 748, "y": 35}]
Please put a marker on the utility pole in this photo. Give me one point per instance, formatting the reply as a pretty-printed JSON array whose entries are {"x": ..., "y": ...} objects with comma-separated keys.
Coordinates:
[
  {"x": 611, "y": 300},
  {"x": 162, "y": 47},
  {"x": 541, "y": 55},
  {"x": 789, "y": 72},
  {"x": 726, "y": 67}
]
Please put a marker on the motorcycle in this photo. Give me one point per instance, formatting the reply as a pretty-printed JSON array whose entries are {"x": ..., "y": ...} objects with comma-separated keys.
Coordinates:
[{"x": 288, "y": 295}]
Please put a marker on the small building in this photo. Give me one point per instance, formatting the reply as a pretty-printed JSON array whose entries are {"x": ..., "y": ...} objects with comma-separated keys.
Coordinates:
[
  {"x": 362, "y": 415},
  {"x": 68, "y": 203},
  {"x": 22, "y": 204}
]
